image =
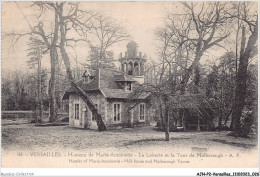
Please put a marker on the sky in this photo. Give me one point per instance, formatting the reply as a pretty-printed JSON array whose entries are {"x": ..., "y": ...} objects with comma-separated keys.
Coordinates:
[{"x": 140, "y": 19}]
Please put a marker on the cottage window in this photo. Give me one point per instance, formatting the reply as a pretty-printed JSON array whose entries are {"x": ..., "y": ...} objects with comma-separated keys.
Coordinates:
[
  {"x": 117, "y": 112},
  {"x": 128, "y": 86},
  {"x": 142, "y": 112},
  {"x": 76, "y": 111}
]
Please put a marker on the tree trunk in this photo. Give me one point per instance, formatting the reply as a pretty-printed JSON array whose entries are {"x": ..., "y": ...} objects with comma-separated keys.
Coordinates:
[
  {"x": 198, "y": 128},
  {"x": 207, "y": 124},
  {"x": 82, "y": 93},
  {"x": 189, "y": 71},
  {"x": 167, "y": 121},
  {"x": 53, "y": 113},
  {"x": 220, "y": 120},
  {"x": 185, "y": 80},
  {"x": 182, "y": 118},
  {"x": 161, "y": 118},
  {"x": 229, "y": 113},
  {"x": 241, "y": 87},
  {"x": 54, "y": 57},
  {"x": 39, "y": 103}
]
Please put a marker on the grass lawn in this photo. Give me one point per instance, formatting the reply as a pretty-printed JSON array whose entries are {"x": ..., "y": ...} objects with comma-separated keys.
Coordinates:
[
  {"x": 29, "y": 137},
  {"x": 140, "y": 142}
]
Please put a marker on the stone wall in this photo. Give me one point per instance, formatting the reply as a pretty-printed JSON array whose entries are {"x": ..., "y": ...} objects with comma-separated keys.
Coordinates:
[
  {"x": 137, "y": 115},
  {"x": 126, "y": 115},
  {"x": 85, "y": 113},
  {"x": 105, "y": 109},
  {"x": 110, "y": 115}
]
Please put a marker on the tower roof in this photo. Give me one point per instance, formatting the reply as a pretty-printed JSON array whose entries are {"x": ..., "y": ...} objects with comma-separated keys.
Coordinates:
[{"x": 132, "y": 44}]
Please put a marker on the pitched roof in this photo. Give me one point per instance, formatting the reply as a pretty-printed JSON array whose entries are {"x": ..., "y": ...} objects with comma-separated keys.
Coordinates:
[
  {"x": 91, "y": 86},
  {"x": 106, "y": 81},
  {"x": 119, "y": 93},
  {"x": 190, "y": 101},
  {"x": 123, "y": 78}
]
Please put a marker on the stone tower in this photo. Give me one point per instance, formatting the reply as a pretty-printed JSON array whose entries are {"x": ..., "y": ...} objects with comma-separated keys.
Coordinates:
[{"x": 132, "y": 64}]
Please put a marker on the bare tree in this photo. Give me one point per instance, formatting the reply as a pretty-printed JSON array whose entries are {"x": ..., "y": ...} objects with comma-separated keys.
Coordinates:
[
  {"x": 207, "y": 29},
  {"x": 74, "y": 18},
  {"x": 50, "y": 41},
  {"x": 105, "y": 33},
  {"x": 165, "y": 75},
  {"x": 69, "y": 20},
  {"x": 174, "y": 51},
  {"x": 250, "y": 22},
  {"x": 189, "y": 36},
  {"x": 164, "y": 84},
  {"x": 35, "y": 53}
]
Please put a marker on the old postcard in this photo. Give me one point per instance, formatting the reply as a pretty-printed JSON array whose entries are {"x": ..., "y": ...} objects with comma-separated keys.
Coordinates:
[{"x": 129, "y": 84}]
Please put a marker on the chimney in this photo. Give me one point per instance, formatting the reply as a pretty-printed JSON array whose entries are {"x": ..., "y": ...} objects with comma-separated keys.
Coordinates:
[
  {"x": 140, "y": 54},
  {"x": 121, "y": 55},
  {"x": 126, "y": 54},
  {"x": 85, "y": 77}
]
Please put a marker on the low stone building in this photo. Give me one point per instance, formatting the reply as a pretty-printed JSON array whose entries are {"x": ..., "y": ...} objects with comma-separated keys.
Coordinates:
[{"x": 114, "y": 93}]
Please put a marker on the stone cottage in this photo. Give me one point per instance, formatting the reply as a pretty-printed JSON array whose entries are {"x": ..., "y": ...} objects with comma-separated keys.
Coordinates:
[{"x": 114, "y": 93}]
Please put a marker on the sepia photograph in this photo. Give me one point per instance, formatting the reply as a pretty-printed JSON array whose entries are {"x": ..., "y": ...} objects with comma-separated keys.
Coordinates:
[{"x": 130, "y": 84}]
